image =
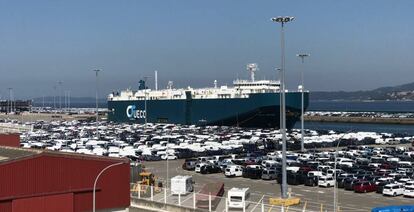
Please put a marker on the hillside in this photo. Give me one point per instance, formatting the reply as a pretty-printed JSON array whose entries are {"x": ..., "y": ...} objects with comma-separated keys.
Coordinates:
[{"x": 400, "y": 92}]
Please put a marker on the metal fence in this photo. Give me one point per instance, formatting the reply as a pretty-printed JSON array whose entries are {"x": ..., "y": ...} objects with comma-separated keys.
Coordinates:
[
  {"x": 14, "y": 128},
  {"x": 195, "y": 200}
]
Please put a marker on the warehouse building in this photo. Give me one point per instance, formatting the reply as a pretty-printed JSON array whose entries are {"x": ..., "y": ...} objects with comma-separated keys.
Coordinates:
[{"x": 39, "y": 180}]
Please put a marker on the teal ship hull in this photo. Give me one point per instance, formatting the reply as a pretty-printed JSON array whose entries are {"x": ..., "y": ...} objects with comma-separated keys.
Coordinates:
[{"x": 260, "y": 110}]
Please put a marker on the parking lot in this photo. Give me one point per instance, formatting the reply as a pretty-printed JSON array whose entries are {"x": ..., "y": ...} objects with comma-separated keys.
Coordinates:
[{"x": 313, "y": 197}]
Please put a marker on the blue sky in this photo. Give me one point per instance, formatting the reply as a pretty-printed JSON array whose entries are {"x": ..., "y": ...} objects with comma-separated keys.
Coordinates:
[{"x": 353, "y": 44}]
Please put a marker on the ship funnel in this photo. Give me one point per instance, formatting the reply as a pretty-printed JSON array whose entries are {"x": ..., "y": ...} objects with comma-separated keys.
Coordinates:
[{"x": 252, "y": 68}]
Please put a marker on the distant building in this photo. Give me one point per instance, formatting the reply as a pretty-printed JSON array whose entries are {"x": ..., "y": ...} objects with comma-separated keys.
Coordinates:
[
  {"x": 39, "y": 180},
  {"x": 7, "y": 106}
]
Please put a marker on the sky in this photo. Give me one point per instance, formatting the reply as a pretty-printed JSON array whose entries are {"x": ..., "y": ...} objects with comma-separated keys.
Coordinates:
[{"x": 353, "y": 45}]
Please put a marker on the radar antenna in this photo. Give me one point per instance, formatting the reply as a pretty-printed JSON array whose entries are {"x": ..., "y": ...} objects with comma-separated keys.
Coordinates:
[{"x": 252, "y": 68}]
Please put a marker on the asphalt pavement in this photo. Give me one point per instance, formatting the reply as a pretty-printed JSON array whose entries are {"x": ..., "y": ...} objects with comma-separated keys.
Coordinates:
[{"x": 312, "y": 198}]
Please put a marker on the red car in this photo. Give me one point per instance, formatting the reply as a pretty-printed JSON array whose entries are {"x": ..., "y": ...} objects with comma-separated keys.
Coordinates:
[{"x": 364, "y": 186}]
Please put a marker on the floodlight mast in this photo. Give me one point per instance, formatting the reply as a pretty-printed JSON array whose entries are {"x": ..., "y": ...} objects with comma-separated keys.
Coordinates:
[
  {"x": 282, "y": 21},
  {"x": 302, "y": 88}
]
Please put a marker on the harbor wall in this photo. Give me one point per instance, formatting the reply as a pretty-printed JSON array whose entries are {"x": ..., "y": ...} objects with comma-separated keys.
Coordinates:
[{"x": 370, "y": 120}]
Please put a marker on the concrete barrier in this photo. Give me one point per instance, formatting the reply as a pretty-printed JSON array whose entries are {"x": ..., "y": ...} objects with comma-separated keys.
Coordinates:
[{"x": 149, "y": 205}]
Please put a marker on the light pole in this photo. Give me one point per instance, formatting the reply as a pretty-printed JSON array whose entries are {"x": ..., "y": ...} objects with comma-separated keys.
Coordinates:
[
  {"x": 10, "y": 103},
  {"x": 96, "y": 180},
  {"x": 282, "y": 21},
  {"x": 54, "y": 98},
  {"x": 302, "y": 122},
  {"x": 60, "y": 95},
  {"x": 335, "y": 184},
  {"x": 145, "y": 102},
  {"x": 96, "y": 98}
]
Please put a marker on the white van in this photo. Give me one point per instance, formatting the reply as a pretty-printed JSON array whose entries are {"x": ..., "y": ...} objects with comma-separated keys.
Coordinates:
[
  {"x": 393, "y": 190},
  {"x": 237, "y": 197},
  {"x": 181, "y": 185},
  {"x": 233, "y": 171}
]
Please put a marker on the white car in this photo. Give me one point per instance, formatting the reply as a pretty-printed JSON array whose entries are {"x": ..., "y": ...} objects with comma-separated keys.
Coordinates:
[
  {"x": 326, "y": 181},
  {"x": 233, "y": 171},
  {"x": 393, "y": 190},
  {"x": 409, "y": 183},
  {"x": 409, "y": 191},
  {"x": 168, "y": 157}
]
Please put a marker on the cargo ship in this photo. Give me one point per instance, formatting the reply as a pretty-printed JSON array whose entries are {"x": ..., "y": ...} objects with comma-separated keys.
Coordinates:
[{"x": 248, "y": 103}]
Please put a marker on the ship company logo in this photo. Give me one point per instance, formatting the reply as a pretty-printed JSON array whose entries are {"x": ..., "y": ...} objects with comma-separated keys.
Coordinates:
[{"x": 133, "y": 113}]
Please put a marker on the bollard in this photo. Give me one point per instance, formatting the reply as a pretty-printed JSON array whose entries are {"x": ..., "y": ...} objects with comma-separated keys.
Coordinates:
[
  {"x": 194, "y": 200},
  {"x": 321, "y": 207},
  {"x": 262, "y": 205},
  {"x": 179, "y": 199},
  {"x": 227, "y": 205},
  {"x": 209, "y": 202},
  {"x": 304, "y": 206},
  {"x": 165, "y": 195},
  {"x": 244, "y": 205},
  {"x": 139, "y": 191},
  {"x": 152, "y": 193}
]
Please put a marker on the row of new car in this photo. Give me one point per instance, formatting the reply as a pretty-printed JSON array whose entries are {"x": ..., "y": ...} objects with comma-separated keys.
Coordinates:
[{"x": 362, "y": 169}]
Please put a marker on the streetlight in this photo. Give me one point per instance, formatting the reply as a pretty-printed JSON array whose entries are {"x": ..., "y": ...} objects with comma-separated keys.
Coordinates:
[
  {"x": 96, "y": 98},
  {"x": 10, "y": 103},
  {"x": 54, "y": 98},
  {"x": 302, "y": 131},
  {"x": 335, "y": 184},
  {"x": 145, "y": 102},
  {"x": 60, "y": 95},
  {"x": 96, "y": 180},
  {"x": 282, "y": 21}
]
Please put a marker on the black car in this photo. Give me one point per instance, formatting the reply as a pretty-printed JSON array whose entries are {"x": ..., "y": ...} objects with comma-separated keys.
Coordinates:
[
  {"x": 210, "y": 169},
  {"x": 189, "y": 164},
  {"x": 350, "y": 182},
  {"x": 311, "y": 181},
  {"x": 380, "y": 186},
  {"x": 252, "y": 173},
  {"x": 295, "y": 178}
]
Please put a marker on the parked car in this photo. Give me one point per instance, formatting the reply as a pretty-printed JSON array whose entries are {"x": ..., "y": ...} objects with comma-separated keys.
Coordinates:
[
  {"x": 210, "y": 169},
  {"x": 233, "y": 171},
  {"x": 269, "y": 174},
  {"x": 350, "y": 182},
  {"x": 252, "y": 172},
  {"x": 199, "y": 166},
  {"x": 409, "y": 191},
  {"x": 364, "y": 186},
  {"x": 326, "y": 181},
  {"x": 393, "y": 190},
  {"x": 189, "y": 164}
]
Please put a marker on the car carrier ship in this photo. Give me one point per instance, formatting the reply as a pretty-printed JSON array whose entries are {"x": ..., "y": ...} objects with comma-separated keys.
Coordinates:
[{"x": 249, "y": 103}]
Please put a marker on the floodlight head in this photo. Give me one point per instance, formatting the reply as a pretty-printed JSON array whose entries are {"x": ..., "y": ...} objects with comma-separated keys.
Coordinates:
[
  {"x": 303, "y": 55},
  {"x": 284, "y": 19}
]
